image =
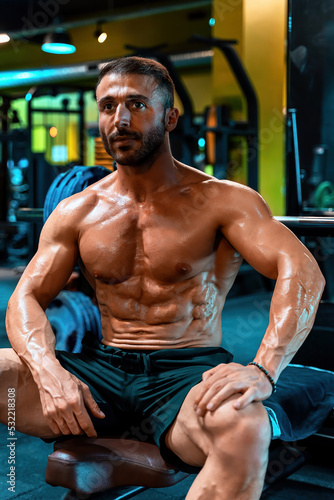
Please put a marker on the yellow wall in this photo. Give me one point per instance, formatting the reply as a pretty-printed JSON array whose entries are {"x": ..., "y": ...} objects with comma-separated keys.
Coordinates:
[
  {"x": 229, "y": 25},
  {"x": 198, "y": 83},
  {"x": 260, "y": 27}
]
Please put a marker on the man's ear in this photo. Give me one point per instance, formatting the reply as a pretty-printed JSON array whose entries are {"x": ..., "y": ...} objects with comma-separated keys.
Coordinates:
[{"x": 171, "y": 119}]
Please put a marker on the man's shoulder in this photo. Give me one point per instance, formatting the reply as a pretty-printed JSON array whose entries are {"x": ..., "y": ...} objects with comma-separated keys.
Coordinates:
[
  {"x": 84, "y": 201},
  {"x": 227, "y": 200},
  {"x": 77, "y": 203},
  {"x": 220, "y": 187},
  {"x": 69, "y": 216}
]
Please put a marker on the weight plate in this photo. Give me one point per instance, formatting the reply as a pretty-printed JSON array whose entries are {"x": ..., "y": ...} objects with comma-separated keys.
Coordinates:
[
  {"x": 62, "y": 322},
  {"x": 71, "y": 182}
]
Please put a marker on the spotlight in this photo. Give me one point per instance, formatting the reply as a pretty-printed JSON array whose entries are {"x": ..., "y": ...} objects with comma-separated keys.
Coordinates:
[
  {"x": 4, "y": 38},
  {"x": 99, "y": 34},
  {"x": 31, "y": 93},
  {"x": 58, "y": 42}
]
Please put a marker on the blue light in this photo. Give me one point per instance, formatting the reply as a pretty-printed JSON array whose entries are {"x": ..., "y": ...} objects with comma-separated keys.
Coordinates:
[
  {"x": 44, "y": 75},
  {"x": 58, "y": 48},
  {"x": 28, "y": 96},
  {"x": 201, "y": 143},
  {"x": 212, "y": 21}
]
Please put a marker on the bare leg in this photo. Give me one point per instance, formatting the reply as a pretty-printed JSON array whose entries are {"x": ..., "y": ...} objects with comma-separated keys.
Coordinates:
[
  {"x": 29, "y": 417},
  {"x": 231, "y": 445}
]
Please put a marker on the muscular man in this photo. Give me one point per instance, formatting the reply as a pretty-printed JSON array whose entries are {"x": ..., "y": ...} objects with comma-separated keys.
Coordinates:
[{"x": 161, "y": 244}]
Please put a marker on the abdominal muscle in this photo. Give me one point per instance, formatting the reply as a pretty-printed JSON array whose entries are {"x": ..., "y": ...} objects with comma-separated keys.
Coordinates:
[{"x": 140, "y": 314}]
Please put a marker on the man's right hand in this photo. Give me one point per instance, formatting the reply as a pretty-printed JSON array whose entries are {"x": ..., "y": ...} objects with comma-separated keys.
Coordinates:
[{"x": 65, "y": 400}]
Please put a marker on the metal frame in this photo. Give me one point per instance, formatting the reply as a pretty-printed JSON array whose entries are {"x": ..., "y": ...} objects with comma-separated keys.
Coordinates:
[{"x": 248, "y": 129}]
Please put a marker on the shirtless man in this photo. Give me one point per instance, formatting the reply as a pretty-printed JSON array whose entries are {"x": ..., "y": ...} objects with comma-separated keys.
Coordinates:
[{"x": 161, "y": 268}]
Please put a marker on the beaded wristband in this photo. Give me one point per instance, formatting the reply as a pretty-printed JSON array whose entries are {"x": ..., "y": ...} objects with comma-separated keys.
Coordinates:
[{"x": 267, "y": 374}]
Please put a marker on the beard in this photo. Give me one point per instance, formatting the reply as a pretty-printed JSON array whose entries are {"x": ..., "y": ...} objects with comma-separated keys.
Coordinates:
[{"x": 127, "y": 155}]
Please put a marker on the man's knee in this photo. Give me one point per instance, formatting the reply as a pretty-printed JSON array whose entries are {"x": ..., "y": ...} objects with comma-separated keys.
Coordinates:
[{"x": 248, "y": 427}]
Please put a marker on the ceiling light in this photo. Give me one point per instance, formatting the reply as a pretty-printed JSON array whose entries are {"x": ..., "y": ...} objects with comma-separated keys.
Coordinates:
[
  {"x": 4, "y": 38},
  {"x": 58, "y": 42},
  {"x": 99, "y": 34}
]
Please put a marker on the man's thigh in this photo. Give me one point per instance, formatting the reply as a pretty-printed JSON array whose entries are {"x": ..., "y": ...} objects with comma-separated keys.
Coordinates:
[
  {"x": 183, "y": 436},
  {"x": 17, "y": 381}
]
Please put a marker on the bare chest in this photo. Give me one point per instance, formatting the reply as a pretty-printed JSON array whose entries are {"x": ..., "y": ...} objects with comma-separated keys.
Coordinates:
[{"x": 133, "y": 243}]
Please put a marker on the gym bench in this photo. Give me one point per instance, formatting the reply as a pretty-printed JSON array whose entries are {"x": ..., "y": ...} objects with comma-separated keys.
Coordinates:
[{"x": 115, "y": 469}]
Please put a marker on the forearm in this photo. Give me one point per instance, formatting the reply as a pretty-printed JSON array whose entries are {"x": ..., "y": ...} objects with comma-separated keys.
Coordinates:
[
  {"x": 64, "y": 398},
  {"x": 30, "y": 333},
  {"x": 293, "y": 309}
]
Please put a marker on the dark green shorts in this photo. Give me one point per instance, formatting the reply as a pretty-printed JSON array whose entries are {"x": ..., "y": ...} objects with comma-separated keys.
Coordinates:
[{"x": 141, "y": 392}]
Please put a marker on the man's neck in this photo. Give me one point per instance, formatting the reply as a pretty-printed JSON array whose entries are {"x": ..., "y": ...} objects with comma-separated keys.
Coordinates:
[{"x": 142, "y": 181}]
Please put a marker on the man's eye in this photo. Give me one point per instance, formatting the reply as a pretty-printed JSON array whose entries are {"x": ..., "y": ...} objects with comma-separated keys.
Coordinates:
[
  {"x": 138, "y": 105},
  {"x": 108, "y": 105}
]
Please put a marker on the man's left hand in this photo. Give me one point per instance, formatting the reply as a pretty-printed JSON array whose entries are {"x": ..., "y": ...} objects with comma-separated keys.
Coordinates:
[{"x": 224, "y": 380}]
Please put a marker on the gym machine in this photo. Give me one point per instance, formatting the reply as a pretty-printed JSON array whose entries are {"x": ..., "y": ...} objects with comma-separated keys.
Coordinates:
[
  {"x": 13, "y": 179},
  {"x": 225, "y": 129},
  {"x": 40, "y": 173}
]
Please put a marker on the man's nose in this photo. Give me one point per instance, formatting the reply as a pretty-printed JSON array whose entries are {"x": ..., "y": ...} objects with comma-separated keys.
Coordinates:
[{"x": 123, "y": 117}]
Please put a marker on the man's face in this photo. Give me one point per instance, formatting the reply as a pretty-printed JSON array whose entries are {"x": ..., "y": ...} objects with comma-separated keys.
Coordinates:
[{"x": 131, "y": 117}]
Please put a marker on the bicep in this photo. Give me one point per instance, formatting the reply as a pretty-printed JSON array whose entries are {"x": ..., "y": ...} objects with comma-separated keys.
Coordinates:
[
  {"x": 266, "y": 244},
  {"x": 49, "y": 270}
]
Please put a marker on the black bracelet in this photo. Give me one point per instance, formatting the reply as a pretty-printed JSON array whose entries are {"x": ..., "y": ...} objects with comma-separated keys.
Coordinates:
[{"x": 267, "y": 374}]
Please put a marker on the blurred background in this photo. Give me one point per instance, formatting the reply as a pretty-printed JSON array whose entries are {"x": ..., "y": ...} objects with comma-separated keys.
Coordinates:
[{"x": 254, "y": 86}]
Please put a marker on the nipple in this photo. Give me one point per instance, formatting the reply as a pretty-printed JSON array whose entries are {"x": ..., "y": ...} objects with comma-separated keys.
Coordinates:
[
  {"x": 183, "y": 268},
  {"x": 100, "y": 277}
]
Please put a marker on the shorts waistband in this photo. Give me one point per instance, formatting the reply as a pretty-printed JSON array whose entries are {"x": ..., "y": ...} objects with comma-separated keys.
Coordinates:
[{"x": 146, "y": 361}]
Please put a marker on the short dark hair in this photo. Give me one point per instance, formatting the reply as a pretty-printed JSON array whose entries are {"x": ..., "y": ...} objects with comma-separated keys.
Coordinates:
[{"x": 133, "y": 65}]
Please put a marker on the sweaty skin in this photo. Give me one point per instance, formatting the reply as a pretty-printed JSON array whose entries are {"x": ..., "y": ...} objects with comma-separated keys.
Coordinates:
[{"x": 161, "y": 243}]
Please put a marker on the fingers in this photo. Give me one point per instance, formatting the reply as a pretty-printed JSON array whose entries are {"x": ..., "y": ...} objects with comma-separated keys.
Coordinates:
[
  {"x": 52, "y": 424},
  {"x": 208, "y": 379},
  {"x": 218, "y": 393},
  {"x": 69, "y": 415},
  {"x": 63, "y": 419},
  {"x": 56, "y": 422},
  {"x": 85, "y": 423},
  {"x": 90, "y": 402},
  {"x": 64, "y": 427},
  {"x": 245, "y": 399},
  {"x": 209, "y": 373},
  {"x": 225, "y": 380}
]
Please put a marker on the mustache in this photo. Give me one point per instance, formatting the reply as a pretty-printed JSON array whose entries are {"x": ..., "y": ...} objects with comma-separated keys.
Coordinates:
[{"x": 125, "y": 134}]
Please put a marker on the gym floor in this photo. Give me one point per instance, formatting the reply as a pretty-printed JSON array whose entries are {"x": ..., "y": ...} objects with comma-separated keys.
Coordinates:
[{"x": 246, "y": 316}]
